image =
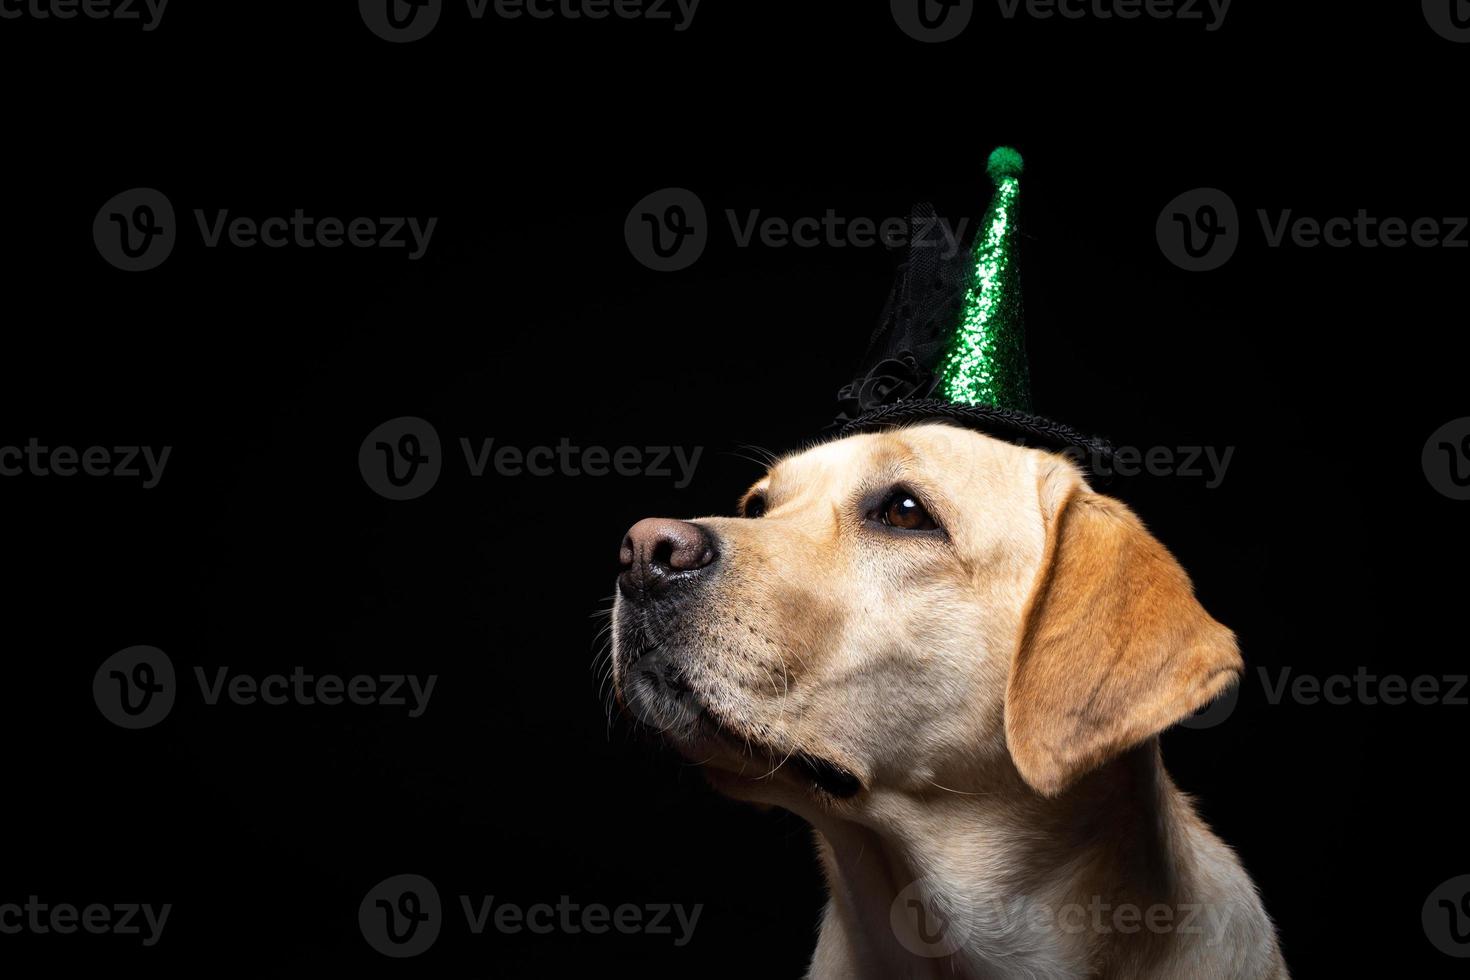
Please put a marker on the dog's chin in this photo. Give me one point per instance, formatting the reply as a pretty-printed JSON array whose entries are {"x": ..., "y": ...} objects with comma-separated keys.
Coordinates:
[{"x": 737, "y": 762}]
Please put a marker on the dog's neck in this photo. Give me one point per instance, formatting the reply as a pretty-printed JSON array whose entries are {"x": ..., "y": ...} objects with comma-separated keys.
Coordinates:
[{"x": 1009, "y": 883}]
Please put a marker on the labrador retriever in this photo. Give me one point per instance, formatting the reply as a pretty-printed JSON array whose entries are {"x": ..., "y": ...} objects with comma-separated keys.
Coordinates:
[{"x": 953, "y": 658}]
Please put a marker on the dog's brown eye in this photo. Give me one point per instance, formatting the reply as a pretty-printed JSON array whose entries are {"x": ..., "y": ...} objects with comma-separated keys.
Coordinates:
[
  {"x": 755, "y": 505},
  {"x": 904, "y": 512}
]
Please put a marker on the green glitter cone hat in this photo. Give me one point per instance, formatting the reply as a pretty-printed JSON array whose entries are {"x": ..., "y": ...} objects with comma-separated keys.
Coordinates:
[{"x": 951, "y": 344}]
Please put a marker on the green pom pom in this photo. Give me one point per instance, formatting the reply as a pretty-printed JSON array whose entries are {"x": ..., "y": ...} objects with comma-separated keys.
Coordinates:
[{"x": 1004, "y": 162}]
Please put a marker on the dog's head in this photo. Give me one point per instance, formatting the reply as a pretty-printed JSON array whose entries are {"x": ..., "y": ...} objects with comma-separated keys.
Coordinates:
[{"x": 908, "y": 609}]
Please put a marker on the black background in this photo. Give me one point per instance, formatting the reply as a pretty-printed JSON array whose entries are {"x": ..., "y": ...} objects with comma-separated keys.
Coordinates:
[{"x": 1326, "y": 369}]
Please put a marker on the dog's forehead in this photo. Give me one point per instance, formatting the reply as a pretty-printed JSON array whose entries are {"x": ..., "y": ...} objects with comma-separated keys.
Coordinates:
[{"x": 937, "y": 453}]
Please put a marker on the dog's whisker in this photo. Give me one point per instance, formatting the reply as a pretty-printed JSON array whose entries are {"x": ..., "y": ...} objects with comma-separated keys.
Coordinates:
[
  {"x": 789, "y": 753},
  {"x": 765, "y": 458},
  {"x": 957, "y": 792},
  {"x": 748, "y": 459}
]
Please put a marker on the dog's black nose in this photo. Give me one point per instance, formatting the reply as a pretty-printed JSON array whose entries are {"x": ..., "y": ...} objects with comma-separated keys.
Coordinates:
[{"x": 657, "y": 552}]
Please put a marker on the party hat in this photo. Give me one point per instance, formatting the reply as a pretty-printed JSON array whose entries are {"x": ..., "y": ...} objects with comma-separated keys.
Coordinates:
[
  {"x": 951, "y": 344},
  {"x": 986, "y": 363}
]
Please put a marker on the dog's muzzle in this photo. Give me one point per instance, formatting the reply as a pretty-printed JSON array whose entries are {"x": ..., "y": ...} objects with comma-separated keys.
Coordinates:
[{"x": 663, "y": 561}]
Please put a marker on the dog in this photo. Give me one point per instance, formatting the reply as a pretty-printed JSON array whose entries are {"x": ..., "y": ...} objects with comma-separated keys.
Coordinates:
[{"x": 953, "y": 658}]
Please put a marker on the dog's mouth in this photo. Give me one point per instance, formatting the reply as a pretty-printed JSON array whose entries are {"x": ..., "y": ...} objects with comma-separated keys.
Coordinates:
[
  {"x": 828, "y": 776},
  {"x": 823, "y": 774},
  {"x": 657, "y": 692}
]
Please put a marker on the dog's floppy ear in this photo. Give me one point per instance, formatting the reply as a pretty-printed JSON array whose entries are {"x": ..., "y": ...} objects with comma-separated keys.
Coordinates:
[{"x": 1114, "y": 646}]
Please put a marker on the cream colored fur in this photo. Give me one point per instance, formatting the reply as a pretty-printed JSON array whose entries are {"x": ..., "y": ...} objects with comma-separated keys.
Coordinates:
[{"x": 997, "y": 689}]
